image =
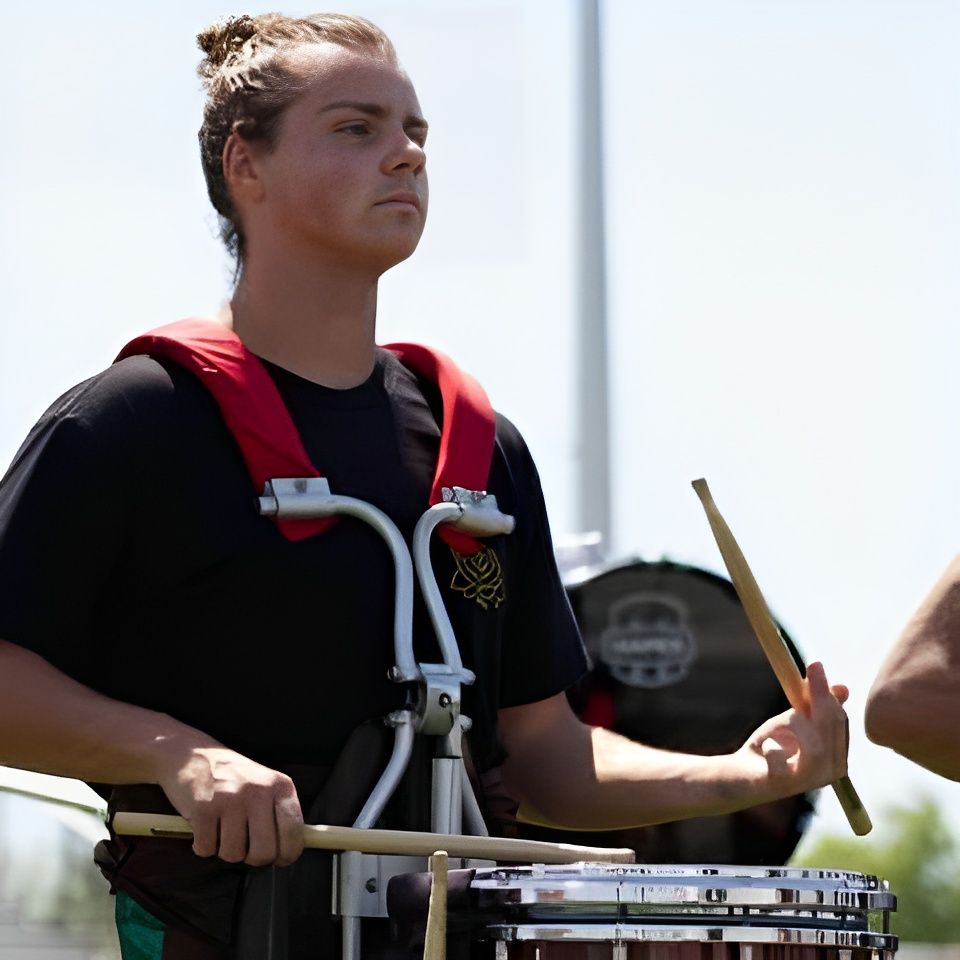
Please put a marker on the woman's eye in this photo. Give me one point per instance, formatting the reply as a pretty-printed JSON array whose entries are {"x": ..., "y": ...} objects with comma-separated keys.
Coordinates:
[{"x": 355, "y": 128}]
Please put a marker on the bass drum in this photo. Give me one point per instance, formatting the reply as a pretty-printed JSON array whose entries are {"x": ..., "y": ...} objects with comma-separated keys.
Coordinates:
[{"x": 675, "y": 664}]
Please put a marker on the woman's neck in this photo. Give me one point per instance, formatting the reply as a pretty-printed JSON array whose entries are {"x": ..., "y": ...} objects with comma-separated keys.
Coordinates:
[{"x": 320, "y": 325}]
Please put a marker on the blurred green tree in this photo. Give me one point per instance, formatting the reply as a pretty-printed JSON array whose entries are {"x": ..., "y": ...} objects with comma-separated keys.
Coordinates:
[{"x": 916, "y": 853}]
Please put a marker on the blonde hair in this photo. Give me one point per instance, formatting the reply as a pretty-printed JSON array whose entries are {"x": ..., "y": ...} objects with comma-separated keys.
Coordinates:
[{"x": 249, "y": 84}]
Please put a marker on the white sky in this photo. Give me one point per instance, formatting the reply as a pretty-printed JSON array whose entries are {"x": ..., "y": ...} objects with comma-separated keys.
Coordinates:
[{"x": 784, "y": 242}]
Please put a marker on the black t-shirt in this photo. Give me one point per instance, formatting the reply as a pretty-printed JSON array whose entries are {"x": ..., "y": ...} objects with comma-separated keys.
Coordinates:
[{"x": 133, "y": 558}]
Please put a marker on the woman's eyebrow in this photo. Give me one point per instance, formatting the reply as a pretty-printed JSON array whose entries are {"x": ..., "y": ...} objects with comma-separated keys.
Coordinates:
[{"x": 374, "y": 110}]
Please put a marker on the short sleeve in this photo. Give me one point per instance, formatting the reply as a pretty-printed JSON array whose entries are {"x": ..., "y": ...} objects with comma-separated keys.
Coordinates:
[
  {"x": 64, "y": 511},
  {"x": 542, "y": 652}
]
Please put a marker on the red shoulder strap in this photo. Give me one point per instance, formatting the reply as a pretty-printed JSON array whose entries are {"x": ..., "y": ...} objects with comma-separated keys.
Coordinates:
[
  {"x": 269, "y": 442},
  {"x": 249, "y": 402},
  {"x": 467, "y": 433}
]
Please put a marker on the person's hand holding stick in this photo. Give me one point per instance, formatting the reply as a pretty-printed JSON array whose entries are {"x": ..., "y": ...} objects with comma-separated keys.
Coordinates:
[{"x": 782, "y": 661}]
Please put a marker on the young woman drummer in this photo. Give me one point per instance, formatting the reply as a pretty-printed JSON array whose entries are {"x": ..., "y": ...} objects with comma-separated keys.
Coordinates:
[{"x": 157, "y": 631}]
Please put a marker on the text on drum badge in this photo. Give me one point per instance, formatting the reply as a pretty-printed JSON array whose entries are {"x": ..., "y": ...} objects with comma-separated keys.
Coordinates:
[{"x": 648, "y": 642}]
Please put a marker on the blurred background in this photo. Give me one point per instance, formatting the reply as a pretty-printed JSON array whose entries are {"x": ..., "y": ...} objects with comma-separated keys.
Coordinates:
[{"x": 782, "y": 192}]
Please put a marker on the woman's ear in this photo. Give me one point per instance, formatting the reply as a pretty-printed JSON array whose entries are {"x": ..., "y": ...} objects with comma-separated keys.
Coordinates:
[{"x": 240, "y": 170}]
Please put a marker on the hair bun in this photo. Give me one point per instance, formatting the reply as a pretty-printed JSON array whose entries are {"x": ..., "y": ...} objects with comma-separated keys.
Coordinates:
[{"x": 224, "y": 39}]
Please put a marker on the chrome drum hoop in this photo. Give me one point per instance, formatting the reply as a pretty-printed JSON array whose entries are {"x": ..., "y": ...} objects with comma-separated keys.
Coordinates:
[
  {"x": 630, "y": 906},
  {"x": 646, "y": 888}
]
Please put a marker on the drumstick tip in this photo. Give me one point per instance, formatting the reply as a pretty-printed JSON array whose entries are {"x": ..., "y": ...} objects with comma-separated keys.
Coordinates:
[
  {"x": 852, "y": 806},
  {"x": 702, "y": 490}
]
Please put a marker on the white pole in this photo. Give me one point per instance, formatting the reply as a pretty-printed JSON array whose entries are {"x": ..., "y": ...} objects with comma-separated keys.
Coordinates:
[{"x": 593, "y": 494}]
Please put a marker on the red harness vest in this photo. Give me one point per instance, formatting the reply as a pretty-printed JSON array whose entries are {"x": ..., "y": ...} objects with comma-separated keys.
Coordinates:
[{"x": 257, "y": 417}]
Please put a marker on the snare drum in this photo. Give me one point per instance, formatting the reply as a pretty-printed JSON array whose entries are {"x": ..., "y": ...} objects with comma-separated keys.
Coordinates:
[{"x": 610, "y": 912}]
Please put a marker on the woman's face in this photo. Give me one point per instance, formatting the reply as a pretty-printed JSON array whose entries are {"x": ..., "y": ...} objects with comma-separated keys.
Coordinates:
[{"x": 346, "y": 178}]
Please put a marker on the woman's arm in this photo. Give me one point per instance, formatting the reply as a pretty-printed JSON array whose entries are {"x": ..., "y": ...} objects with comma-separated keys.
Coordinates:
[
  {"x": 567, "y": 774},
  {"x": 239, "y": 809},
  {"x": 914, "y": 703}
]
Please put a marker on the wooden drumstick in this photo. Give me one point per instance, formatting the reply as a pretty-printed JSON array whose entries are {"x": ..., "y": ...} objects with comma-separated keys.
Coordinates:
[
  {"x": 409, "y": 843},
  {"x": 435, "y": 943},
  {"x": 764, "y": 626}
]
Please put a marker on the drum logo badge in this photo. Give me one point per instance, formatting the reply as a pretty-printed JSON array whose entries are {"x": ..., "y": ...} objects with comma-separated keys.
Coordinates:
[{"x": 648, "y": 642}]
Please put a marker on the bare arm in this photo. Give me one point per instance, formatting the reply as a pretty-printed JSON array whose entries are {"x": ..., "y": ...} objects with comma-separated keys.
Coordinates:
[
  {"x": 914, "y": 703},
  {"x": 239, "y": 809},
  {"x": 568, "y": 774}
]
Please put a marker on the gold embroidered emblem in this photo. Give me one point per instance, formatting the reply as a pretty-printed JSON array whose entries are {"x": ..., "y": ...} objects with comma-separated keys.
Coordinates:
[{"x": 479, "y": 577}]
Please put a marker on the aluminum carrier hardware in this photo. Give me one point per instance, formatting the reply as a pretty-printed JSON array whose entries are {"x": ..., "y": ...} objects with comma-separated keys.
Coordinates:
[{"x": 362, "y": 878}]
